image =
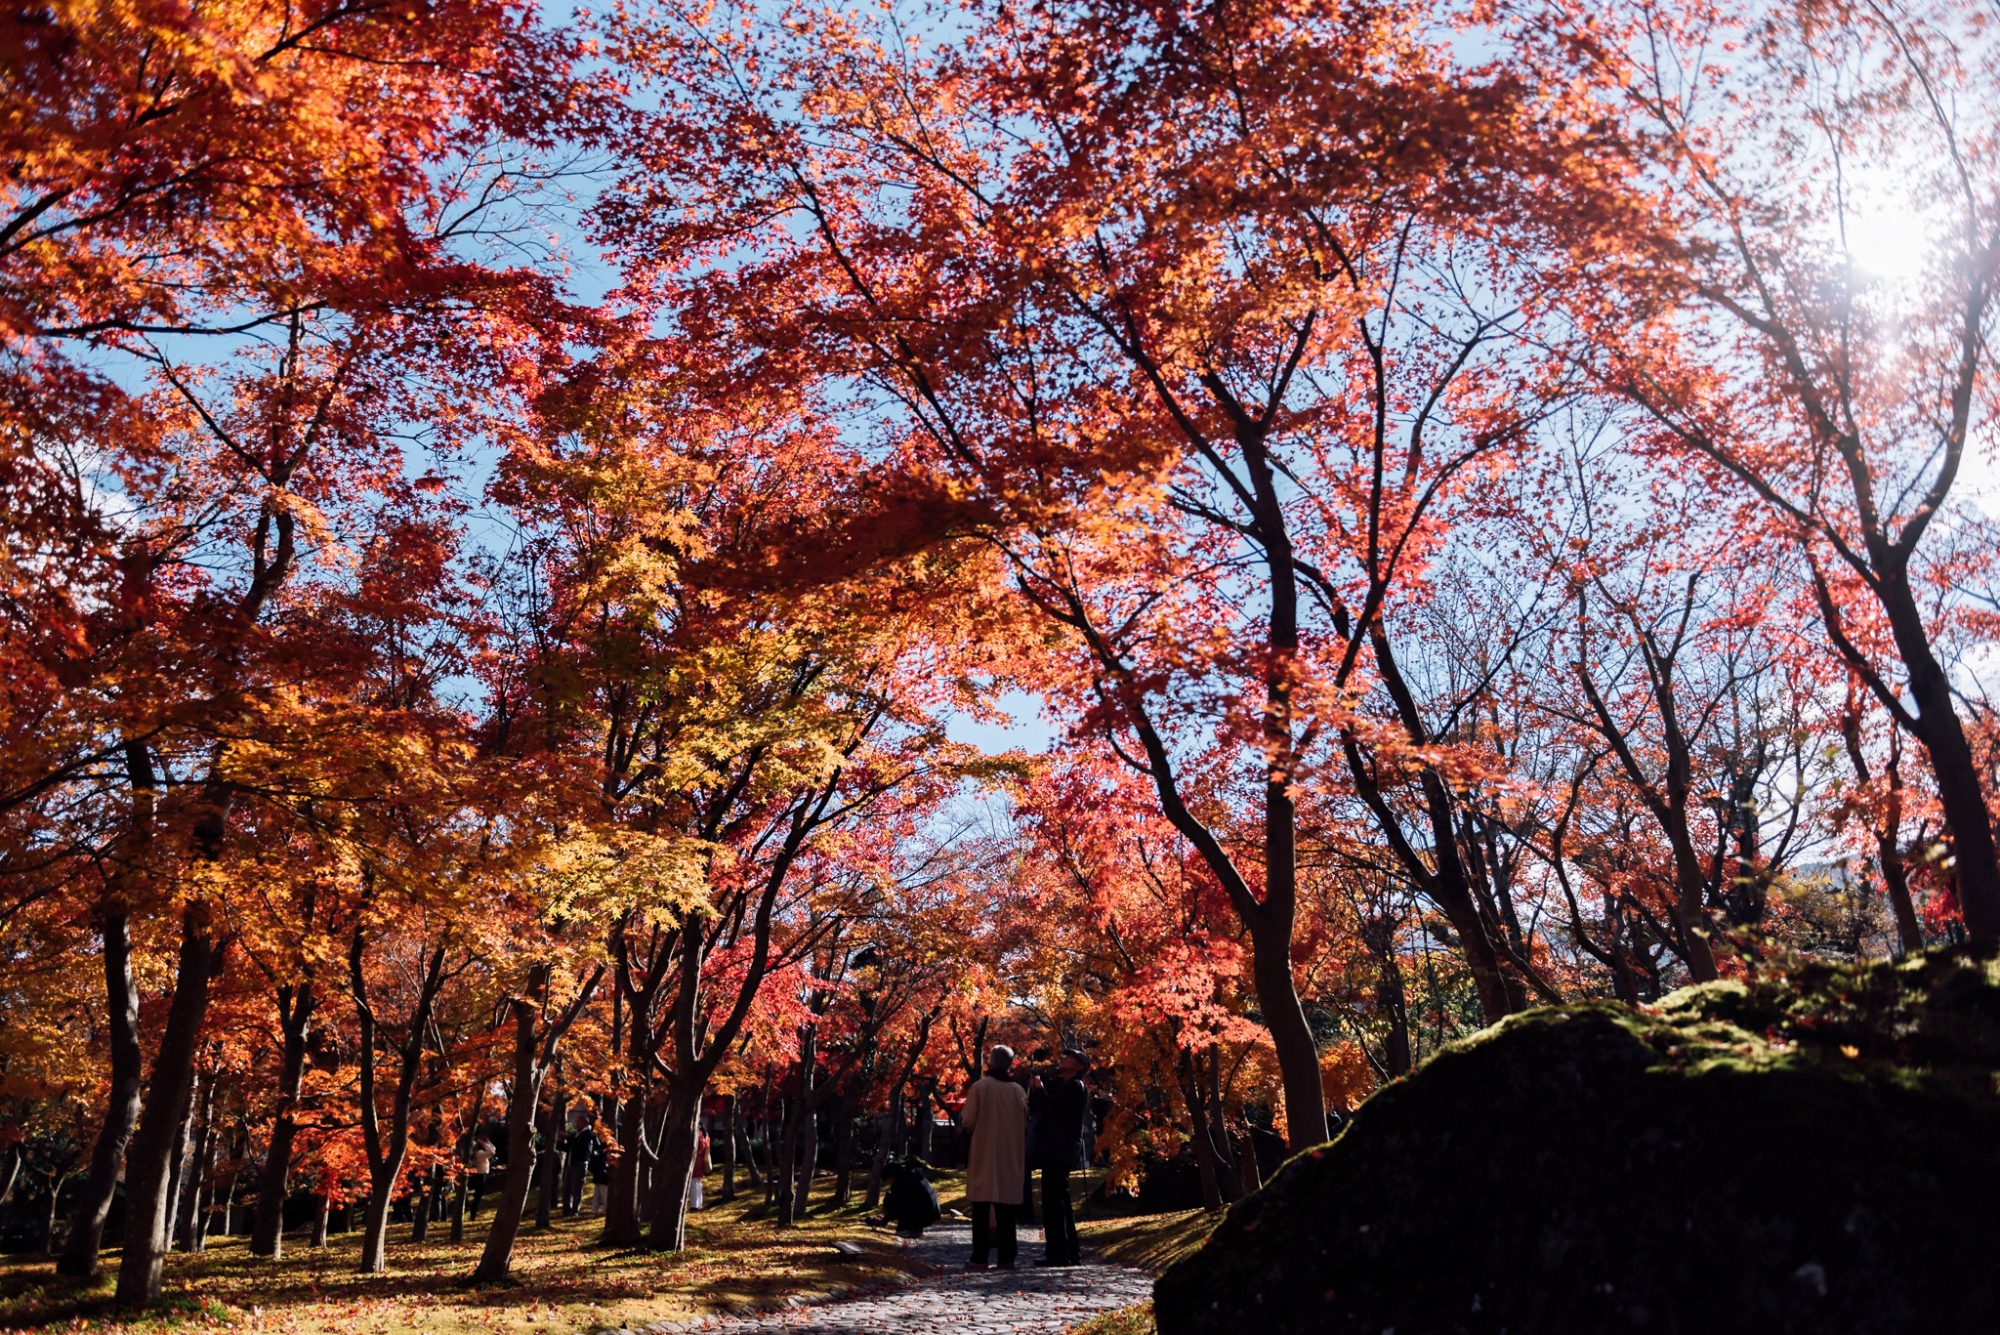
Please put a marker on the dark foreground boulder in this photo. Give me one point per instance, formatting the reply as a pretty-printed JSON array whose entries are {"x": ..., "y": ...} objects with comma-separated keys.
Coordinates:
[{"x": 1817, "y": 1151}]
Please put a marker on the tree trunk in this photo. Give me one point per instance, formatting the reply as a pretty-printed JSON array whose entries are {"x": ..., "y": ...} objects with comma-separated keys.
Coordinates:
[
  {"x": 229, "y": 1197},
  {"x": 885, "y": 1142},
  {"x": 194, "y": 1178},
  {"x": 375, "y": 1220},
  {"x": 623, "y": 1224},
  {"x": 55, "y": 1201},
  {"x": 809, "y": 1157},
  {"x": 121, "y": 1113},
  {"x": 1212, "y": 1157},
  {"x": 1249, "y": 1172},
  {"x": 843, "y": 1152},
  {"x": 322, "y": 1217},
  {"x": 140, "y": 1265},
  {"x": 267, "y": 1230},
  {"x": 1291, "y": 1036},
  {"x": 530, "y": 1065},
  {"x": 1204, "y": 1152},
  {"x": 177, "y": 1165},
  {"x": 429, "y": 1205},
  {"x": 196, "y": 1239},
  {"x": 778, "y": 1144},
  {"x": 387, "y": 1154},
  {"x": 548, "y": 1163},
  {"x": 497, "y": 1260},
  {"x": 675, "y": 1167},
  {"x": 1960, "y": 790},
  {"x": 799, "y": 1131},
  {"x": 756, "y": 1179},
  {"x": 728, "y": 1149}
]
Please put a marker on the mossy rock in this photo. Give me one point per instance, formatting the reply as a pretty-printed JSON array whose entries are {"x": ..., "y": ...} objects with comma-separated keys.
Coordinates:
[{"x": 1817, "y": 1150}]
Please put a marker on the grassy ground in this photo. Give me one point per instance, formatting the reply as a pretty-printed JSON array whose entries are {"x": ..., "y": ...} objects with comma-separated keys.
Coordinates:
[
  {"x": 1134, "y": 1320},
  {"x": 1149, "y": 1241},
  {"x": 565, "y": 1281}
]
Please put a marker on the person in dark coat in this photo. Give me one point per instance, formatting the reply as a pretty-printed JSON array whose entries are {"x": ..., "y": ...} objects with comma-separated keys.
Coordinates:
[
  {"x": 1058, "y": 1147},
  {"x": 579, "y": 1140},
  {"x": 913, "y": 1201}
]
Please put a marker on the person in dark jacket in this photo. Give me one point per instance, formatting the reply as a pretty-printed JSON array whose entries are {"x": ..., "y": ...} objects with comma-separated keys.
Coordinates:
[
  {"x": 912, "y": 1203},
  {"x": 1058, "y": 1147},
  {"x": 579, "y": 1140}
]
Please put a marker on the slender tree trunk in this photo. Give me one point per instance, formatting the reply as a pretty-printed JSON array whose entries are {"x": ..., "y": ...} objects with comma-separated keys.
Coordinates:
[
  {"x": 295, "y": 1007},
  {"x": 121, "y": 1114},
  {"x": 496, "y": 1262},
  {"x": 1249, "y": 1171},
  {"x": 1960, "y": 789},
  {"x": 194, "y": 1186},
  {"x": 430, "y": 1204},
  {"x": 229, "y": 1193},
  {"x": 756, "y": 1179},
  {"x": 1204, "y": 1152},
  {"x": 799, "y": 1130},
  {"x": 1219, "y": 1185},
  {"x": 177, "y": 1165},
  {"x": 728, "y": 1149},
  {"x": 1691, "y": 887},
  {"x": 140, "y": 1265},
  {"x": 1896, "y": 884},
  {"x": 55, "y": 1202},
  {"x": 809, "y": 1157},
  {"x": 194, "y": 1235},
  {"x": 1391, "y": 999},
  {"x": 785, "y": 1167},
  {"x": 778, "y": 1148},
  {"x": 322, "y": 1219},
  {"x": 387, "y": 1154},
  {"x": 1229, "y": 1172},
  {"x": 534, "y": 1053},
  {"x": 885, "y": 1141},
  {"x": 843, "y": 1152},
  {"x": 548, "y": 1163}
]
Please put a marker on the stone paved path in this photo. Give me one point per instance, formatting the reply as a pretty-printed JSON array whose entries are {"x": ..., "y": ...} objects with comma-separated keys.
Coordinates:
[{"x": 954, "y": 1301}]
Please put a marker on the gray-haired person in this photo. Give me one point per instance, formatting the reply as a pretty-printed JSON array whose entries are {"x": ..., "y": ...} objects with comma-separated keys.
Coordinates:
[{"x": 995, "y": 1116}]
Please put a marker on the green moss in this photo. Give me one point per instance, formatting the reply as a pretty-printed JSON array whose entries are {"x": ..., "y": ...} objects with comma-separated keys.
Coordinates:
[{"x": 1811, "y": 1149}]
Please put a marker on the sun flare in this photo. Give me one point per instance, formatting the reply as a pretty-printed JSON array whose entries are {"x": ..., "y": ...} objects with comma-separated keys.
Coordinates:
[{"x": 1886, "y": 230}]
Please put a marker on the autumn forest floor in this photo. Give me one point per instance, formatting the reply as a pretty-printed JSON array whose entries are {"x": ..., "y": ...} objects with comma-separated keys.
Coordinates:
[{"x": 565, "y": 1280}]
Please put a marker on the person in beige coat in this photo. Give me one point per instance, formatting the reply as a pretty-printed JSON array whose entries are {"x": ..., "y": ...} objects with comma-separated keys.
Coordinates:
[{"x": 995, "y": 1116}]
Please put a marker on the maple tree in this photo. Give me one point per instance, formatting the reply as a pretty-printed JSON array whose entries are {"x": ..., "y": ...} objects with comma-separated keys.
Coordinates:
[
  {"x": 1206, "y": 376},
  {"x": 1781, "y": 365}
]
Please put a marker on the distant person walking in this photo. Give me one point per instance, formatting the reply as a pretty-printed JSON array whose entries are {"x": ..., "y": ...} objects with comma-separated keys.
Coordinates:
[
  {"x": 996, "y": 1118},
  {"x": 1059, "y": 1146},
  {"x": 579, "y": 1142},
  {"x": 479, "y": 1168}
]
